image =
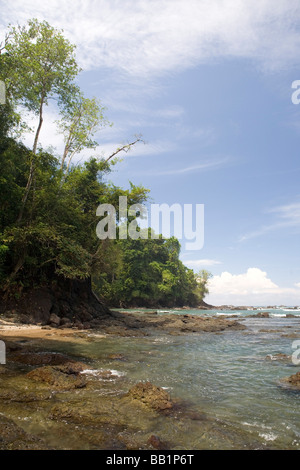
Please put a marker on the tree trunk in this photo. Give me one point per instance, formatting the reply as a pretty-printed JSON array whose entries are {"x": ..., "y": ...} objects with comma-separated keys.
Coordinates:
[{"x": 32, "y": 164}]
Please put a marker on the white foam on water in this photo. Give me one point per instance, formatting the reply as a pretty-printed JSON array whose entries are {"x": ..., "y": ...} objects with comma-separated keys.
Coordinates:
[
  {"x": 283, "y": 315},
  {"x": 222, "y": 314},
  {"x": 290, "y": 309},
  {"x": 268, "y": 436},
  {"x": 99, "y": 372}
]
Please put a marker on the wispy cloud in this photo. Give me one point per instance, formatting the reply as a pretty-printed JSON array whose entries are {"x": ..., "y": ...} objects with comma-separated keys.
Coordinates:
[
  {"x": 212, "y": 164},
  {"x": 147, "y": 39},
  {"x": 286, "y": 216},
  {"x": 202, "y": 263}
]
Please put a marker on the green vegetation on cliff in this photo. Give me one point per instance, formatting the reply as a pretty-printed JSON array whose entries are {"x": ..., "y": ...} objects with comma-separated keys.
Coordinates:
[{"x": 48, "y": 204}]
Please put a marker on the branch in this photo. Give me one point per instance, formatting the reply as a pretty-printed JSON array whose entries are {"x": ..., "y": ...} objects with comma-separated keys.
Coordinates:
[
  {"x": 125, "y": 148},
  {"x": 6, "y": 39}
]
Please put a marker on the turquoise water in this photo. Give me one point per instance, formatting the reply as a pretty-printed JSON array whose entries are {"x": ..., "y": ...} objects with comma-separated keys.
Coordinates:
[
  {"x": 222, "y": 376},
  {"x": 225, "y": 375}
]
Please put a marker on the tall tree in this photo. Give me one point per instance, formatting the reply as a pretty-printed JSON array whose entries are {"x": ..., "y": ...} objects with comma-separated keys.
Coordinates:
[
  {"x": 81, "y": 119},
  {"x": 39, "y": 65}
]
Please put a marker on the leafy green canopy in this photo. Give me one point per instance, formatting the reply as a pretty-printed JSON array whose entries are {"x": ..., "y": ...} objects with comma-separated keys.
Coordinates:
[
  {"x": 48, "y": 204},
  {"x": 148, "y": 273}
]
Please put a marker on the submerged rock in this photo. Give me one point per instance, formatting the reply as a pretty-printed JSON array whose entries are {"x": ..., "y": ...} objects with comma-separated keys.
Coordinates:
[
  {"x": 116, "y": 357},
  {"x": 54, "y": 376},
  {"x": 278, "y": 357},
  {"x": 12, "y": 437},
  {"x": 293, "y": 381},
  {"x": 151, "y": 396},
  {"x": 260, "y": 315},
  {"x": 40, "y": 358},
  {"x": 156, "y": 443}
]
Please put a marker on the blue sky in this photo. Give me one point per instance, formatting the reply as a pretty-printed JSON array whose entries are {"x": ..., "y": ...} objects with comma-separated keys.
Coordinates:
[{"x": 208, "y": 84}]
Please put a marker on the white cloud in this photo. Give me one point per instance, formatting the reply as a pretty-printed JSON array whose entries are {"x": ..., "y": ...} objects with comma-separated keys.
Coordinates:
[
  {"x": 148, "y": 38},
  {"x": 49, "y": 135},
  {"x": 250, "y": 288},
  {"x": 201, "y": 263}
]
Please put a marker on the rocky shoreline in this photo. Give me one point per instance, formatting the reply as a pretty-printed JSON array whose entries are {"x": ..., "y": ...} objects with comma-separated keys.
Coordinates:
[{"x": 73, "y": 400}]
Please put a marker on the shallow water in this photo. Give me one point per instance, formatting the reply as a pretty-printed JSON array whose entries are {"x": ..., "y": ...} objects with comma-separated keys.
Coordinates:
[{"x": 225, "y": 375}]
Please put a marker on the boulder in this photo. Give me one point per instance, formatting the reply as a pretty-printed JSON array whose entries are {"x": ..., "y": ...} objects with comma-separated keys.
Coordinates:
[
  {"x": 12, "y": 437},
  {"x": 293, "y": 381},
  {"x": 40, "y": 358},
  {"x": 54, "y": 320},
  {"x": 151, "y": 396},
  {"x": 56, "y": 378}
]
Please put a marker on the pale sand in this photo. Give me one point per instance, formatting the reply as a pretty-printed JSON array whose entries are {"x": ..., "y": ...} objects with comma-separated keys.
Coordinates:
[{"x": 10, "y": 330}]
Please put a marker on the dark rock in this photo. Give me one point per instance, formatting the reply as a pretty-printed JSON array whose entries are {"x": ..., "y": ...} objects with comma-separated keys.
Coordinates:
[
  {"x": 40, "y": 359},
  {"x": 151, "y": 396},
  {"x": 64, "y": 298},
  {"x": 54, "y": 320},
  {"x": 70, "y": 368},
  {"x": 260, "y": 315},
  {"x": 19, "y": 396},
  {"x": 290, "y": 336},
  {"x": 12, "y": 437},
  {"x": 57, "y": 379},
  {"x": 278, "y": 357},
  {"x": 293, "y": 381},
  {"x": 65, "y": 321},
  {"x": 116, "y": 357},
  {"x": 156, "y": 443},
  {"x": 12, "y": 346}
]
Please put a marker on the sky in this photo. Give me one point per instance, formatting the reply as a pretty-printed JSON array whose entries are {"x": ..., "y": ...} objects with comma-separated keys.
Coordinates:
[{"x": 208, "y": 85}]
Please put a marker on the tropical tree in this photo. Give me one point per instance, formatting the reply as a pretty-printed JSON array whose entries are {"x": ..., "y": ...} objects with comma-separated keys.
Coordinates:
[{"x": 38, "y": 65}]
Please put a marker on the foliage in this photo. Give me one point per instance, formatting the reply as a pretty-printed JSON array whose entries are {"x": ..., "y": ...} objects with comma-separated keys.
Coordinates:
[
  {"x": 148, "y": 273},
  {"x": 48, "y": 205}
]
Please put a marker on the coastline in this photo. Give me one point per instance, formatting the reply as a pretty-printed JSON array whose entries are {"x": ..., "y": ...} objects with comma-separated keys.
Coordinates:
[{"x": 49, "y": 391}]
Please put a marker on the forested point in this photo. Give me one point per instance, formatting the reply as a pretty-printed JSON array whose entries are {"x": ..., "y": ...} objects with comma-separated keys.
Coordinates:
[{"x": 51, "y": 260}]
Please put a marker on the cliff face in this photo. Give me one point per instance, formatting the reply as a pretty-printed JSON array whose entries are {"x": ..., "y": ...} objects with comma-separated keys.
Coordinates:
[{"x": 64, "y": 302}]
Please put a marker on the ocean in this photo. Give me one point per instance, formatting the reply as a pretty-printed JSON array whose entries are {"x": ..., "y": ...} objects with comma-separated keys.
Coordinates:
[{"x": 233, "y": 377}]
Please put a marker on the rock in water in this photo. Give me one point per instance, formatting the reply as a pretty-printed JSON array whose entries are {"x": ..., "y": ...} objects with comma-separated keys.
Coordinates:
[
  {"x": 293, "y": 381},
  {"x": 152, "y": 396},
  {"x": 56, "y": 378}
]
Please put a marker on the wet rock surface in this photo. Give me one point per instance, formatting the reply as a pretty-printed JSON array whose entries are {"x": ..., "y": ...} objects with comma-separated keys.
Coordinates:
[
  {"x": 53, "y": 400},
  {"x": 39, "y": 358},
  {"x": 278, "y": 357},
  {"x": 293, "y": 381},
  {"x": 151, "y": 396},
  {"x": 135, "y": 324},
  {"x": 57, "y": 377},
  {"x": 12, "y": 437}
]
